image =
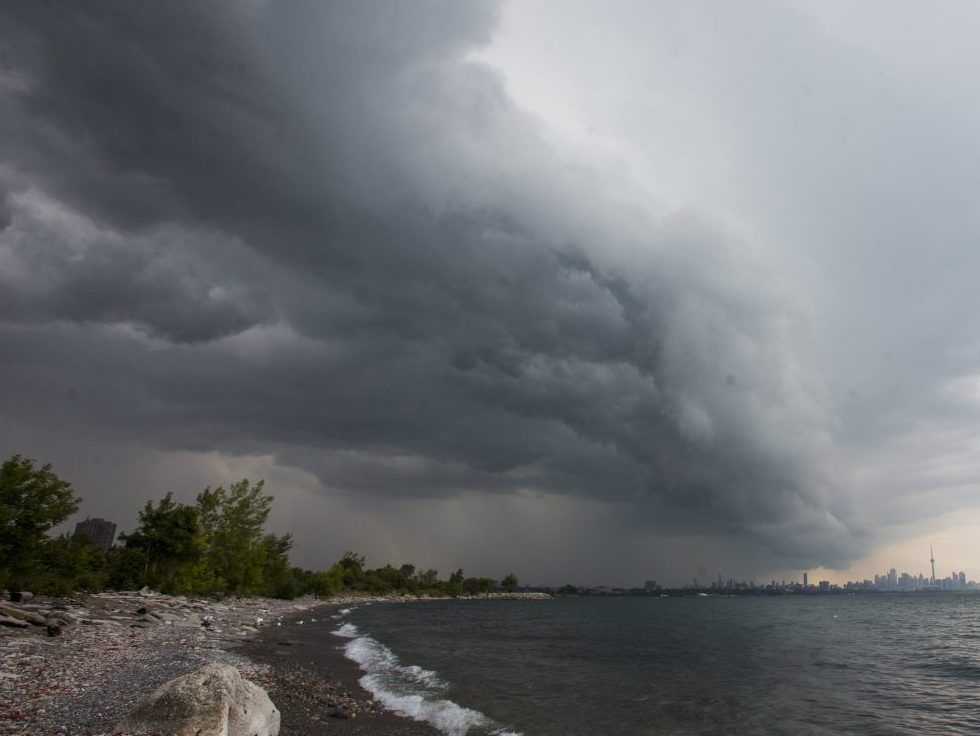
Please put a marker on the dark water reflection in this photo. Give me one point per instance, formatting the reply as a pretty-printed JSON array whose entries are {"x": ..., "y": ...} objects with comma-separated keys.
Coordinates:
[{"x": 902, "y": 664}]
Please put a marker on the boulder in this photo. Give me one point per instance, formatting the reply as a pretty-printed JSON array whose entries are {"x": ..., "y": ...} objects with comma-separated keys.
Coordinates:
[
  {"x": 20, "y": 596},
  {"x": 213, "y": 701}
]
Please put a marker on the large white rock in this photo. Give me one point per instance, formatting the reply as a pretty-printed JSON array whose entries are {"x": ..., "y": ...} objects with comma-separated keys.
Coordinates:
[{"x": 213, "y": 701}]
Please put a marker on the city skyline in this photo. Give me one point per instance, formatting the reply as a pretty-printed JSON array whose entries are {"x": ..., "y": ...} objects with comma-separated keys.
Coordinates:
[{"x": 889, "y": 580}]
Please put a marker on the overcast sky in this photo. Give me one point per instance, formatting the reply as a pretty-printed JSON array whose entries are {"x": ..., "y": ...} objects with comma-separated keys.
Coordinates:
[{"x": 591, "y": 292}]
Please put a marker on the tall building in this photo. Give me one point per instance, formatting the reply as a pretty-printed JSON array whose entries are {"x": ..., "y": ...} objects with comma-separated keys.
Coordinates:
[
  {"x": 962, "y": 580},
  {"x": 99, "y": 532},
  {"x": 805, "y": 580},
  {"x": 932, "y": 561}
]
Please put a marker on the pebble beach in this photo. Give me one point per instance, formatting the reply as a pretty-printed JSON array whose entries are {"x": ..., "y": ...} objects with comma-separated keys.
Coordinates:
[{"x": 79, "y": 665}]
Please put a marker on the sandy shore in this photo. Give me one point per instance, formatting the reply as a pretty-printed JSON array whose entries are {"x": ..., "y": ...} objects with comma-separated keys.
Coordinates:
[{"x": 114, "y": 649}]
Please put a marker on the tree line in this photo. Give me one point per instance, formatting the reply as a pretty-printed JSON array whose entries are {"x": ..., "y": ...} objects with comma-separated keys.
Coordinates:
[{"x": 215, "y": 546}]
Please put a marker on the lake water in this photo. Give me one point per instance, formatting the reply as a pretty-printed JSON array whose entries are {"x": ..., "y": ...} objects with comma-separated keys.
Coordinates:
[{"x": 862, "y": 664}]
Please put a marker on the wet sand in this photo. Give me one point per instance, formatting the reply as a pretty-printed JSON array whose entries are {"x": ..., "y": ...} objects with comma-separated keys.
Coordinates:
[{"x": 315, "y": 686}]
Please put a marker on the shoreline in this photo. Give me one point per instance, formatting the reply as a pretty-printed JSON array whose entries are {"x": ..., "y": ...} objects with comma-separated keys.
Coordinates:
[
  {"x": 315, "y": 686},
  {"x": 115, "y": 649}
]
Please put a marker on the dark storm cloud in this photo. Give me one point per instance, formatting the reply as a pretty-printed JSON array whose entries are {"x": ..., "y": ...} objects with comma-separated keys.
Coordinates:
[
  {"x": 316, "y": 229},
  {"x": 63, "y": 267}
]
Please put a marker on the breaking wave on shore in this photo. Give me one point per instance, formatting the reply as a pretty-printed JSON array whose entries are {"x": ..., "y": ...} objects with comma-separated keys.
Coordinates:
[{"x": 417, "y": 692}]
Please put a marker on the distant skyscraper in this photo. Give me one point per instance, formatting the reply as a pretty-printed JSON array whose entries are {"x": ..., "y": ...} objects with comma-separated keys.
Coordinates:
[
  {"x": 962, "y": 580},
  {"x": 99, "y": 532},
  {"x": 805, "y": 580},
  {"x": 932, "y": 561}
]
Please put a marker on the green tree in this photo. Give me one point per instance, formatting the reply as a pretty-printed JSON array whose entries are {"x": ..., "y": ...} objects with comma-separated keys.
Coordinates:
[
  {"x": 428, "y": 579},
  {"x": 126, "y": 568},
  {"x": 233, "y": 521},
  {"x": 407, "y": 580},
  {"x": 474, "y": 586},
  {"x": 32, "y": 501},
  {"x": 69, "y": 564},
  {"x": 171, "y": 539},
  {"x": 455, "y": 586},
  {"x": 509, "y": 582},
  {"x": 352, "y": 565},
  {"x": 278, "y": 578},
  {"x": 324, "y": 583}
]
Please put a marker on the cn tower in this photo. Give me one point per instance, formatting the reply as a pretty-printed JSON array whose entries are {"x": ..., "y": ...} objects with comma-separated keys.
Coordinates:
[{"x": 932, "y": 561}]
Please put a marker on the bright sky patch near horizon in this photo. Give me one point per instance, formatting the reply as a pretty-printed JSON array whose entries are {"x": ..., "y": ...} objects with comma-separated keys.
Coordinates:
[{"x": 594, "y": 293}]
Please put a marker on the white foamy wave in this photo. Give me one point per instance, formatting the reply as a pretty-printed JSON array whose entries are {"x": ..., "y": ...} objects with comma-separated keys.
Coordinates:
[
  {"x": 426, "y": 677},
  {"x": 415, "y": 691},
  {"x": 348, "y": 631},
  {"x": 375, "y": 657},
  {"x": 344, "y": 611},
  {"x": 450, "y": 718}
]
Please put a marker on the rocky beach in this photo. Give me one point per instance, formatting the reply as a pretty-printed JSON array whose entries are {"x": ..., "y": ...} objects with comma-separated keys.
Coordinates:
[{"x": 80, "y": 665}]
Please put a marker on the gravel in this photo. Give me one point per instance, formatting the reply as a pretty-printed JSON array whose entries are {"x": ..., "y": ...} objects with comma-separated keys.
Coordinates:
[{"x": 85, "y": 679}]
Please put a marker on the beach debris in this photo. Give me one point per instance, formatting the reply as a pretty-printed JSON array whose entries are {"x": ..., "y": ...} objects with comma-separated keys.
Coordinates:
[
  {"x": 213, "y": 701},
  {"x": 24, "y": 614}
]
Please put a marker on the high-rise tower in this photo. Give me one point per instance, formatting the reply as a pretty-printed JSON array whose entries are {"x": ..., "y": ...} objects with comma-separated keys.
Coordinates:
[
  {"x": 99, "y": 532},
  {"x": 932, "y": 561}
]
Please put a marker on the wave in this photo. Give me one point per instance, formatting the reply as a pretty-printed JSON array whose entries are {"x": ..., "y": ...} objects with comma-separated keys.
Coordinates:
[
  {"x": 348, "y": 631},
  {"x": 417, "y": 692}
]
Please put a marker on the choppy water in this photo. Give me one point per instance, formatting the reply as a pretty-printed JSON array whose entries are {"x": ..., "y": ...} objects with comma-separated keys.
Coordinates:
[{"x": 896, "y": 664}]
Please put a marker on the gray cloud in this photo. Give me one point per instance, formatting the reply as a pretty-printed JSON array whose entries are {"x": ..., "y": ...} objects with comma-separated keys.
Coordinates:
[{"x": 322, "y": 232}]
